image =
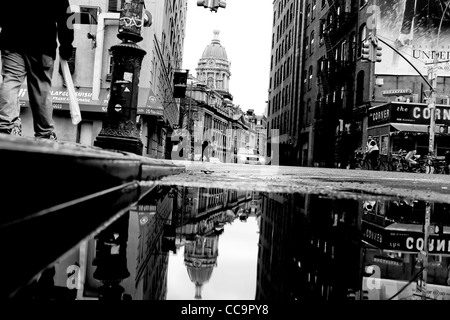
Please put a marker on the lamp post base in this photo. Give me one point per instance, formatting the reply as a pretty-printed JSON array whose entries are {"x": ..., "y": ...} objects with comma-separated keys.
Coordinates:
[{"x": 120, "y": 143}]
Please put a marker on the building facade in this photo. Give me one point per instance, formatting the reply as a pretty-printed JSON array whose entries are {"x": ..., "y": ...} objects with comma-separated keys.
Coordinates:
[
  {"x": 208, "y": 113},
  {"x": 335, "y": 92},
  {"x": 283, "y": 109}
]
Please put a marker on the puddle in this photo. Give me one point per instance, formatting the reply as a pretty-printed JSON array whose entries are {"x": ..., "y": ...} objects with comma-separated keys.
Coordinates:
[{"x": 191, "y": 243}]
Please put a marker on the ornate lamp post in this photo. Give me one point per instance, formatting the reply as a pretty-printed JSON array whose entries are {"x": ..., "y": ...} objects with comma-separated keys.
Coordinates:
[{"x": 119, "y": 130}]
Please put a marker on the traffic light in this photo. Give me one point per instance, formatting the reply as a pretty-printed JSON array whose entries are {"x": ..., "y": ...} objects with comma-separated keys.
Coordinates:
[
  {"x": 212, "y": 4},
  {"x": 203, "y": 3},
  {"x": 366, "y": 51},
  {"x": 378, "y": 53},
  {"x": 218, "y": 4},
  {"x": 443, "y": 128}
]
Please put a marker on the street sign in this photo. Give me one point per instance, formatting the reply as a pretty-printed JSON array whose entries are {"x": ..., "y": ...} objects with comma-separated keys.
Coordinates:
[{"x": 396, "y": 92}]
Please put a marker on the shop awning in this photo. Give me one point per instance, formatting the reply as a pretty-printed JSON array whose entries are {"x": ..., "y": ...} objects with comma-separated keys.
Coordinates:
[{"x": 422, "y": 128}]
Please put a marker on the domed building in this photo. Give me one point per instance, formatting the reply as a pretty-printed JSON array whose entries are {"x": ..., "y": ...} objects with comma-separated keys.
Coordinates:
[{"x": 214, "y": 68}]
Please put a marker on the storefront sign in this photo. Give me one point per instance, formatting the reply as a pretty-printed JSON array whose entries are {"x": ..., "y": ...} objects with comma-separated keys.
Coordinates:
[
  {"x": 379, "y": 115},
  {"x": 60, "y": 98},
  {"x": 147, "y": 102},
  {"x": 418, "y": 113},
  {"x": 152, "y": 106},
  {"x": 413, "y": 113},
  {"x": 388, "y": 261},
  {"x": 405, "y": 241},
  {"x": 396, "y": 92}
]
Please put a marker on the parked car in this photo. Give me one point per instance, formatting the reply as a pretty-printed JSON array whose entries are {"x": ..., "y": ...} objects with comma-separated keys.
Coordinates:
[{"x": 250, "y": 156}]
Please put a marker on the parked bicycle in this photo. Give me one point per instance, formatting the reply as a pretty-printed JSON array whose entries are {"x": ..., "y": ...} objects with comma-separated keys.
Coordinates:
[
  {"x": 362, "y": 162},
  {"x": 425, "y": 164},
  {"x": 436, "y": 166}
]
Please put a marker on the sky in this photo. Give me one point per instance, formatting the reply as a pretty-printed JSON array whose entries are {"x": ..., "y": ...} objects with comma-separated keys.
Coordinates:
[
  {"x": 246, "y": 34},
  {"x": 233, "y": 278}
]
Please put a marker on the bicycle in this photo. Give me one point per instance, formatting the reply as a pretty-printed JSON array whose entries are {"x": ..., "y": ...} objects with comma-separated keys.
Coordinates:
[
  {"x": 433, "y": 165},
  {"x": 364, "y": 163}
]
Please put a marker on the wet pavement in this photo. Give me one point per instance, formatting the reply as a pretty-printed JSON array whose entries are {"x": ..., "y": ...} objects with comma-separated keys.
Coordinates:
[{"x": 228, "y": 232}]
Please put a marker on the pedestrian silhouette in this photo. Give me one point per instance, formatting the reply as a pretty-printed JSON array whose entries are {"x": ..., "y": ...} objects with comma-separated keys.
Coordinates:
[{"x": 28, "y": 48}]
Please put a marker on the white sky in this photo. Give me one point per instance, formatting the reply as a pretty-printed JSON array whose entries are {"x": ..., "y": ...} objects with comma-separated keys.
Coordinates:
[
  {"x": 246, "y": 34},
  {"x": 233, "y": 278}
]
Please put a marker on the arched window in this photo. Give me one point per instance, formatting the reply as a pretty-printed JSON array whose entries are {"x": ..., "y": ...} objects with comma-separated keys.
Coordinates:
[
  {"x": 311, "y": 49},
  {"x": 210, "y": 82}
]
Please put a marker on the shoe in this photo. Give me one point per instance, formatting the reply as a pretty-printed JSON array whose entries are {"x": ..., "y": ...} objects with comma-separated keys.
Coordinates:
[
  {"x": 16, "y": 131},
  {"x": 51, "y": 136}
]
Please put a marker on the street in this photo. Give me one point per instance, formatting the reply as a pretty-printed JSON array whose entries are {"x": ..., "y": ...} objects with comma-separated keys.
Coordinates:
[{"x": 340, "y": 183}]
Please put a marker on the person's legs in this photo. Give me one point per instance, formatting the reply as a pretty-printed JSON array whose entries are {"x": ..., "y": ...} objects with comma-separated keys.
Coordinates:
[
  {"x": 39, "y": 79},
  {"x": 13, "y": 75},
  {"x": 374, "y": 159}
]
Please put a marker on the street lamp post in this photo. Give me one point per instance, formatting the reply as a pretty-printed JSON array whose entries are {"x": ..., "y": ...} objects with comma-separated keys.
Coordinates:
[{"x": 119, "y": 130}]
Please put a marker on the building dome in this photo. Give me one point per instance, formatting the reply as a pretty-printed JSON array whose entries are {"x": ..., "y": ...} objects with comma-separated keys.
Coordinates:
[{"x": 215, "y": 49}]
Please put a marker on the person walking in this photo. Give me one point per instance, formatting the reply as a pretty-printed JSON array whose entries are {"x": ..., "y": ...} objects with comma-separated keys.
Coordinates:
[
  {"x": 29, "y": 36},
  {"x": 205, "y": 150}
]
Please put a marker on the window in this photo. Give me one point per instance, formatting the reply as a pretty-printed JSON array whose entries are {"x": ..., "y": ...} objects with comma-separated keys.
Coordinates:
[
  {"x": 110, "y": 68},
  {"x": 352, "y": 48},
  {"x": 307, "y": 44},
  {"x": 344, "y": 53},
  {"x": 308, "y": 13},
  {"x": 360, "y": 87},
  {"x": 86, "y": 15},
  {"x": 321, "y": 32},
  {"x": 115, "y": 5},
  {"x": 307, "y": 110},
  {"x": 310, "y": 76},
  {"x": 362, "y": 37},
  {"x": 311, "y": 48}
]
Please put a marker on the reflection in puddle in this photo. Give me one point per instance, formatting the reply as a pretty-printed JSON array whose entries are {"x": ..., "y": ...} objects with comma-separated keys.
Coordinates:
[{"x": 183, "y": 243}]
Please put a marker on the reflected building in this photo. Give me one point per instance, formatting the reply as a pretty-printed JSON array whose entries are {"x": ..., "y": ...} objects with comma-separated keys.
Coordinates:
[
  {"x": 204, "y": 212},
  {"x": 393, "y": 247},
  {"x": 200, "y": 258},
  {"x": 308, "y": 248},
  {"x": 141, "y": 253}
]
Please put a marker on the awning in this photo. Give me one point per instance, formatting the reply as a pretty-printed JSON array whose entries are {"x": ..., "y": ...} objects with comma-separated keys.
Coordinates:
[{"x": 423, "y": 128}]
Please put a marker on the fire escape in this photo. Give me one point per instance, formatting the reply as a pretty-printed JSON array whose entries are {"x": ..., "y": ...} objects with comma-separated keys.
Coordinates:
[{"x": 336, "y": 66}]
